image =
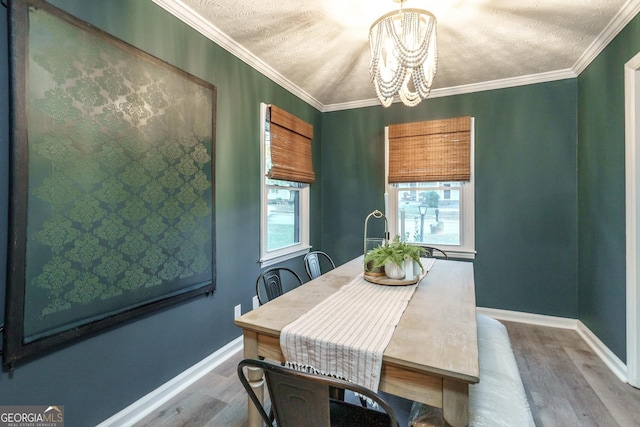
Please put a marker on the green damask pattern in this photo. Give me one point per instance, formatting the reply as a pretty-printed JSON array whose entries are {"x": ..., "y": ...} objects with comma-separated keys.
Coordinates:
[{"x": 120, "y": 178}]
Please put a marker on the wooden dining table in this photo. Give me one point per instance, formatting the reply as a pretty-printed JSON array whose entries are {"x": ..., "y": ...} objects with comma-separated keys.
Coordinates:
[{"x": 432, "y": 356}]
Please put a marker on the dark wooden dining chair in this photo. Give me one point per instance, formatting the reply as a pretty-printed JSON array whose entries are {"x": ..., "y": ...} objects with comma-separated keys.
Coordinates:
[
  {"x": 431, "y": 252},
  {"x": 269, "y": 284},
  {"x": 313, "y": 261},
  {"x": 303, "y": 399}
]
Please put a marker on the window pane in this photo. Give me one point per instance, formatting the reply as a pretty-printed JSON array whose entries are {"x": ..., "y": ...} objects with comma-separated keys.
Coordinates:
[
  {"x": 430, "y": 213},
  {"x": 283, "y": 208}
]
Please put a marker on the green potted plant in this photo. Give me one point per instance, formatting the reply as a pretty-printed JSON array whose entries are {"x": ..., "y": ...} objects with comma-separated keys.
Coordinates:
[{"x": 394, "y": 257}]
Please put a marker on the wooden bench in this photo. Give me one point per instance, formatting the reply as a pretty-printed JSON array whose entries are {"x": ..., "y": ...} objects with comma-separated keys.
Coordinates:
[{"x": 499, "y": 398}]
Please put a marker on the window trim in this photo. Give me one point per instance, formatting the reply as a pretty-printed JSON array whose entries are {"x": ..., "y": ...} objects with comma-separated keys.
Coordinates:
[
  {"x": 268, "y": 258},
  {"x": 467, "y": 249}
]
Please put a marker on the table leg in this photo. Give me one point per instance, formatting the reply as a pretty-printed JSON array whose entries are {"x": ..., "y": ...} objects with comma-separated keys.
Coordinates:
[
  {"x": 455, "y": 402},
  {"x": 255, "y": 378}
]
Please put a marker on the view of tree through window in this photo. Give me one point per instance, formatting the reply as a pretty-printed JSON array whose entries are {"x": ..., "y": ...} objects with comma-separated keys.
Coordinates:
[
  {"x": 429, "y": 213},
  {"x": 283, "y": 207}
]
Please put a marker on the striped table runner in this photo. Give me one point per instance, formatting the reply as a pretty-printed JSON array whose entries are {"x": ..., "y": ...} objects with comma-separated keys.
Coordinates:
[{"x": 345, "y": 335}]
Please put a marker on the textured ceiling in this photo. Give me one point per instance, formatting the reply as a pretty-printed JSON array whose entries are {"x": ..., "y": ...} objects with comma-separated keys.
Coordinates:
[{"x": 320, "y": 48}]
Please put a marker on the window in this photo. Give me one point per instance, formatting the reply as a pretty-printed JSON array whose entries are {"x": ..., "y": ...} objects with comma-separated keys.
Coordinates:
[
  {"x": 437, "y": 213},
  {"x": 285, "y": 199}
]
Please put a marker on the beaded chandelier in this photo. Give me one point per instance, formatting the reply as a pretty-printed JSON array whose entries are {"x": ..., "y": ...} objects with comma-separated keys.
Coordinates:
[{"x": 403, "y": 55}]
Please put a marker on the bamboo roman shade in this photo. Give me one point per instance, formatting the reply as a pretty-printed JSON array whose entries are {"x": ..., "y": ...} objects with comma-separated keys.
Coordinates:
[
  {"x": 290, "y": 147},
  {"x": 431, "y": 151}
]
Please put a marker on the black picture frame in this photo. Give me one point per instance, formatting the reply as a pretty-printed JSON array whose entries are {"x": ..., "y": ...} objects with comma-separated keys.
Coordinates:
[{"x": 112, "y": 177}]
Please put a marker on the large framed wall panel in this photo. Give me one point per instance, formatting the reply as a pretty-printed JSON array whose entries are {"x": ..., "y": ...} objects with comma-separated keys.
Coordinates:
[{"x": 112, "y": 201}]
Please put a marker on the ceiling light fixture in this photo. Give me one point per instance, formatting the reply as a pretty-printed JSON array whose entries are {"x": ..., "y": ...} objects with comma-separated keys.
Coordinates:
[{"x": 403, "y": 55}]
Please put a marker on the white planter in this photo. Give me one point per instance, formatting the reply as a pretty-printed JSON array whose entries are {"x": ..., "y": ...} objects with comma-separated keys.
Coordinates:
[
  {"x": 416, "y": 268},
  {"x": 409, "y": 272},
  {"x": 393, "y": 271}
]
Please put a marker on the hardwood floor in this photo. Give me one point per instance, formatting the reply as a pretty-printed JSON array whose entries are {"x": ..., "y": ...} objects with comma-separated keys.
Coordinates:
[
  {"x": 216, "y": 400},
  {"x": 566, "y": 383}
]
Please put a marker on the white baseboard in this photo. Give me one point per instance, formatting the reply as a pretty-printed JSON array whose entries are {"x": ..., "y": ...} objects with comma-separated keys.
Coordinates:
[
  {"x": 152, "y": 401},
  {"x": 611, "y": 360},
  {"x": 533, "y": 319},
  {"x": 607, "y": 356}
]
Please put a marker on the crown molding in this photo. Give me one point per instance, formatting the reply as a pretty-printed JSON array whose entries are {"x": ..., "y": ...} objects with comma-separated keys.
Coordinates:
[
  {"x": 470, "y": 88},
  {"x": 529, "y": 79},
  {"x": 372, "y": 102},
  {"x": 190, "y": 17},
  {"x": 617, "y": 24},
  {"x": 187, "y": 15}
]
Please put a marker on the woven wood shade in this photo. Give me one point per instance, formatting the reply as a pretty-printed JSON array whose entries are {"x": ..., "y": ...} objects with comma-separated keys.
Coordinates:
[
  {"x": 431, "y": 151},
  {"x": 290, "y": 147}
]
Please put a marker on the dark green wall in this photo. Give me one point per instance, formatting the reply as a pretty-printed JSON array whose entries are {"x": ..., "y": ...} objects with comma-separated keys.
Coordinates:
[
  {"x": 526, "y": 201},
  {"x": 601, "y": 191},
  {"x": 98, "y": 377},
  {"x": 531, "y": 216}
]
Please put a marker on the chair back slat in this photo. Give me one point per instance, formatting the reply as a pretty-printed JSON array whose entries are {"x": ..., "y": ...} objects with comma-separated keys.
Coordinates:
[
  {"x": 272, "y": 284},
  {"x": 269, "y": 284},
  {"x": 298, "y": 402},
  {"x": 313, "y": 266},
  {"x": 303, "y": 399},
  {"x": 312, "y": 262}
]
